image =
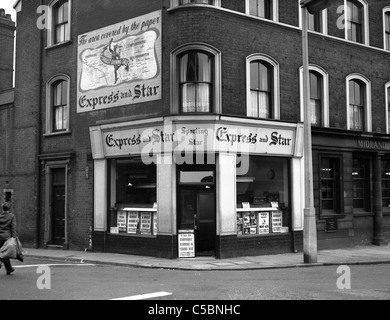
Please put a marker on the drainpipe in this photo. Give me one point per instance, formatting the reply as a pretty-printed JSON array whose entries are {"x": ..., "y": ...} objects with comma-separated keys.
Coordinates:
[{"x": 38, "y": 140}]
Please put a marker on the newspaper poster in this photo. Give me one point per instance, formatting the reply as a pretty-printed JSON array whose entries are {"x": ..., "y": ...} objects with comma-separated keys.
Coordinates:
[
  {"x": 263, "y": 222},
  {"x": 186, "y": 244},
  {"x": 146, "y": 222},
  {"x": 121, "y": 221},
  {"x": 276, "y": 221},
  {"x": 132, "y": 222}
]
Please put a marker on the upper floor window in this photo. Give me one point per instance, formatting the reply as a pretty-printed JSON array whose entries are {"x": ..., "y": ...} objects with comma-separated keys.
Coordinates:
[
  {"x": 357, "y": 21},
  {"x": 196, "y": 82},
  {"x": 386, "y": 26},
  {"x": 196, "y": 79},
  {"x": 316, "y": 98},
  {"x": 317, "y": 22},
  {"x": 359, "y": 103},
  {"x": 267, "y": 9},
  {"x": 263, "y": 88},
  {"x": 319, "y": 96},
  {"x": 175, "y": 3},
  {"x": 60, "y": 22},
  {"x": 57, "y": 105}
]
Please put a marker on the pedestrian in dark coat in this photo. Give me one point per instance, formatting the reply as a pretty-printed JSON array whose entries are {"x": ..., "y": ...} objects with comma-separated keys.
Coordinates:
[{"x": 7, "y": 230}]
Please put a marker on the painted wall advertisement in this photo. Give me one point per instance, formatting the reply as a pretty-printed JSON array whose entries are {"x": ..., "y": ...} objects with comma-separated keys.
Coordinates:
[{"x": 120, "y": 64}]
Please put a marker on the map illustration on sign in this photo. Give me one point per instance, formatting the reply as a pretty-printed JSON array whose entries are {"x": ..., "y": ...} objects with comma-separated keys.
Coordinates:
[
  {"x": 132, "y": 58},
  {"x": 120, "y": 65}
]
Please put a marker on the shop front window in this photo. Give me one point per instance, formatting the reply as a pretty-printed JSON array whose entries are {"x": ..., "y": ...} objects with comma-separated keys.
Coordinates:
[
  {"x": 263, "y": 199},
  {"x": 330, "y": 185},
  {"x": 386, "y": 183},
  {"x": 133, "y": 191},
  {"x": 361, "y": 184}
]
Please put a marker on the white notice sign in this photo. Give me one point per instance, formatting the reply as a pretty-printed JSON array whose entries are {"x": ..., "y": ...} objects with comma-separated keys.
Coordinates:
[{"x": 186, "y": 242}]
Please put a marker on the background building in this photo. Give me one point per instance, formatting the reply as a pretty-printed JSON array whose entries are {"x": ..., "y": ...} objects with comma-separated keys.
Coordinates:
[{"x": 133, "y": 121}]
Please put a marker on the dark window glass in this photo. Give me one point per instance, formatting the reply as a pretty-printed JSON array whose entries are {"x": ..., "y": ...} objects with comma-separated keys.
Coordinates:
[
  {"x": 61, "y": 21},
  {"x": 182, "y": 2},
  {"x": 387, "y": 31},
  {"x": 356, "y": 104},
  {"x": 60, "y": 105},
  {"x": 361, "y": 184},
  {"x": 386, "y": 183},
  {"x": 260, "y": 90},
  {"x": 196, "y": 82},
  {"x": 261, "y": 8},
  {"x": 330, "y": 186},
  {"x": 355, "y": 22},
  {"x": 316, "y": 97},
  {"x": 315, "y": 21}
]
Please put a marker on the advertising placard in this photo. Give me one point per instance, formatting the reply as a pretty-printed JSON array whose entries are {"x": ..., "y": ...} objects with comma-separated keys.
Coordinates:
[
  {"x": 263, "y": 222},
  {"x": 277, "y": 220},
  {"x": 186, "y": 244},
  {"x": 132, "y": 222},
  {"x": 146, "y": 223},
  {"x": 121, "y": 221},
  {"x": 120, "y": 64}
]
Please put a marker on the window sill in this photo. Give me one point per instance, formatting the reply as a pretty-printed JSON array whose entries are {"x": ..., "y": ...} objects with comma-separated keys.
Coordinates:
[
  {"x": 57, "y": 45},
  {"x": 133, "y": 235},
  {"x": 325, "y": 216},
  {"x": 363, "y": 214},
  {"x": 56, "y": 134}
]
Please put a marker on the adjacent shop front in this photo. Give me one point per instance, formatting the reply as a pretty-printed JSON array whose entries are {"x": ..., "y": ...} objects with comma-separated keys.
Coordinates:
[
  {"x": 182, "y": 187},
  {"x": 352, "y": 183}
]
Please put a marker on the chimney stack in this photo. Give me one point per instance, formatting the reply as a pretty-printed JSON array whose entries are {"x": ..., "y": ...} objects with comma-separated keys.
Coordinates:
[{"x": 7, "y": 40}]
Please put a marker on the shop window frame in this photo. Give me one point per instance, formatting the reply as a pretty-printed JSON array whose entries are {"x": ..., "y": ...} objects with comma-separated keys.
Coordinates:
[
  {"x": 367, "y": 207},
  {"x": 338, "y": 210},
  {"x": 387, "y": 106}
]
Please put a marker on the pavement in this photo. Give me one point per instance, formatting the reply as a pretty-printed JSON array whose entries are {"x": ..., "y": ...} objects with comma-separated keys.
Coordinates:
[{"x": 359, "y": 255}]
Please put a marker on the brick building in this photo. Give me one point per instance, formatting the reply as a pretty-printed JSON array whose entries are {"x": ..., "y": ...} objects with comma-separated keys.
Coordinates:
[{"x": 137, "y": 125}]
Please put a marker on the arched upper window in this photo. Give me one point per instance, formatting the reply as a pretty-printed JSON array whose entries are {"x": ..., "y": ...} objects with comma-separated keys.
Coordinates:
[
  {"x": 359, "y": 103},
  {"x": 59, "y": 15},
  {"x": 319, "y": 95},
  {"x": 196, "y": 79},
  {"x": 357, "y": 21},
  {"x": 196, "y": 82},
  {"x": 57, "y": 105},
  {"x": 262, "y": 87}
]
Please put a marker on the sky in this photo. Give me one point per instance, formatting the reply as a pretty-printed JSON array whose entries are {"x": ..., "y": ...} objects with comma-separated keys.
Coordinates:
[{"x": 7, "y": 5}]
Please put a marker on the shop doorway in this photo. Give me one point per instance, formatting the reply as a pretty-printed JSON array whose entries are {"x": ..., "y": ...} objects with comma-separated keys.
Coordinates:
[{"x": 197, "y": 207}]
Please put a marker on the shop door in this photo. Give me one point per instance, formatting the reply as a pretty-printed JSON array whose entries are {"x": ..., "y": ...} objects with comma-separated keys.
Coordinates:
[
  {"x": 198, "y": 212},
  {"x": 59, "y": 215},
  {"x": 205, "y": 222}
]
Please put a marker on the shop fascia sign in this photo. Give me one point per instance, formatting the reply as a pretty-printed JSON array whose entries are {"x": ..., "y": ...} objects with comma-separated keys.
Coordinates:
[
  {"x": 200, "y": 138},
  {"x": 373, "y": 145},
  {"x": 120, "y": 64}
]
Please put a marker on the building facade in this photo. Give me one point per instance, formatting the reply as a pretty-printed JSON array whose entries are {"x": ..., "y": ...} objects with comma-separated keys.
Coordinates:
[{"x": 174, "y": 128}]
